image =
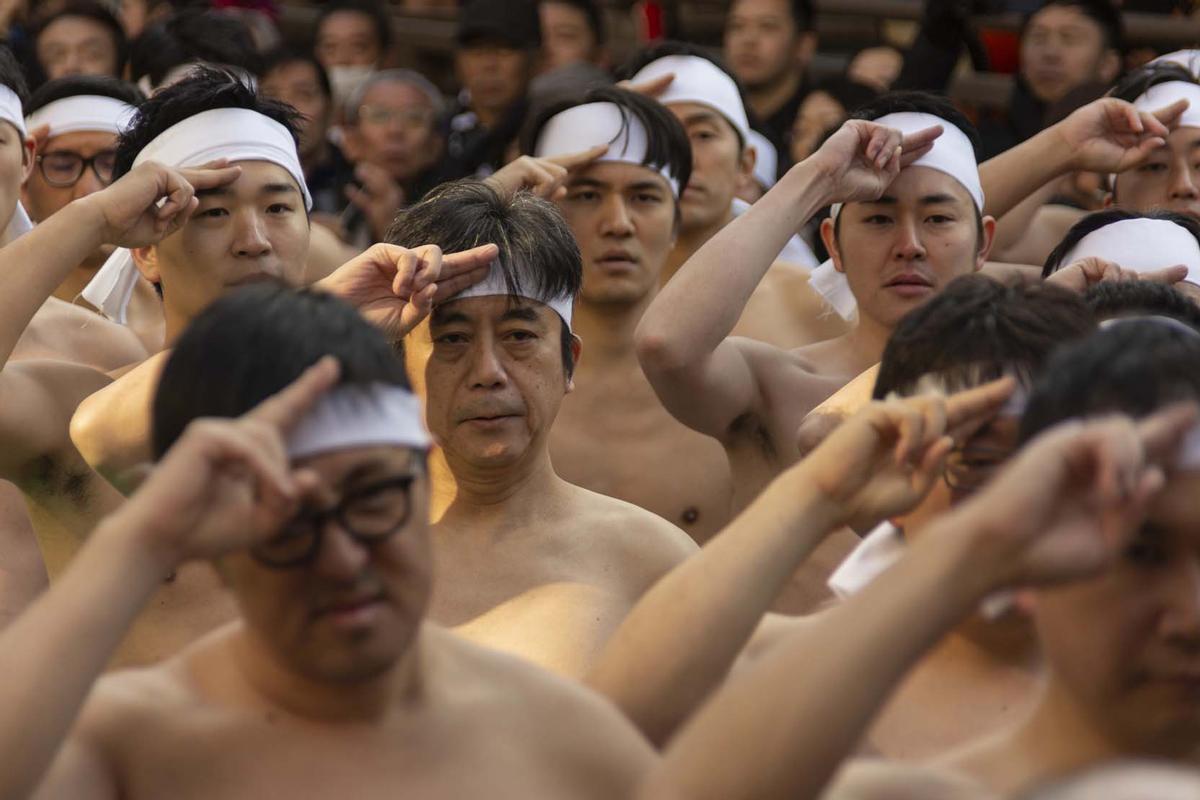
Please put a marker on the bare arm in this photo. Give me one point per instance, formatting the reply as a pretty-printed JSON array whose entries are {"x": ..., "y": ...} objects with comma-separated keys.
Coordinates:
[
  {"x": 781, "y": 728},
  {"x": 681, "y": 638},
  {"x": 703, "y": 378}
]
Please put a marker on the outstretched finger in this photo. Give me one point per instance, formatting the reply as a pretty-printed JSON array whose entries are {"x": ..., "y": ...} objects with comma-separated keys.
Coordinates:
[
  {"x": 1163, "y": 432},
  {"x": 575, "y": 160},
  {"x": 448, "y": 287},
  {"x": 921, "y": 138},
  {"x": 468, "y": 260},
  {"x": 202, "y": 178},
  {"x": 1170, "y": 115},
  {"x": 1169, "y": 275},
  {"x": 978, "y": 404},
  {"x": 651, "y": 88},
  {"x": 283, "y": 409}
]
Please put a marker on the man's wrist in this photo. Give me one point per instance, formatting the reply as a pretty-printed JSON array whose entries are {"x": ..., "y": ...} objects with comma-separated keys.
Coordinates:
[
  {"x": 88, "y": 215},
  {"x": 127, "y": 532},
  {"x": 1054, "y": 153}
]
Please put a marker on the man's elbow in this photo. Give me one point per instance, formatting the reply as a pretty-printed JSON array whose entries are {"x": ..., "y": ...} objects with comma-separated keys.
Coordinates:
[{"x": 657, "y": 351}]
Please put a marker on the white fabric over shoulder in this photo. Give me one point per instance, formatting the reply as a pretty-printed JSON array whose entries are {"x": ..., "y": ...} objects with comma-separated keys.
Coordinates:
[{"x": 766, "y": 160}]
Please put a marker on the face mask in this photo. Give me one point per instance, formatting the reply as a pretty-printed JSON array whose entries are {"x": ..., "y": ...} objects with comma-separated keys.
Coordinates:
[{"x": 345, "y": 80}]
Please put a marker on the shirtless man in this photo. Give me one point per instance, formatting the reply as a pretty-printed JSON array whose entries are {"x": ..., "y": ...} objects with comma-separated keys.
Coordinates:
[
  {"x": 75, "y": 122},
  {"x": 706, "y": 100},
  {"x": 525, "y": 562},
  {"x": 612, "y": 434}
]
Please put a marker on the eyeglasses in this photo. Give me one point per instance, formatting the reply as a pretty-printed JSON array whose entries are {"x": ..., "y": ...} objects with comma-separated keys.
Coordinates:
[
  {"x": 370, "y": 515},
  {"x": 63, "y": 168},
  {"x": 408, "y": 118},
  {"x": 968, "y": 469}
]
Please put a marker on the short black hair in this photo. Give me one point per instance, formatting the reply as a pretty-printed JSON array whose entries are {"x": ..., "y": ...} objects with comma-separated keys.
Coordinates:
[
  {"x": 192, "y": 36},
  {"x": 374, "y": 11},
  {"x": 851, "y": 94},
  {"x": 1136, "y": 82},
  {"x": 669, "y": 47},
  {"x": 1133, "y": 367},
  {"x": 252, "y": 343},
  {"x": 1103, "y": 12},
  {"x": 801, "y": 12},
  {"x": 591, "y": 12},
  {"x": 667, "y": 144},
  {"x": 283, "y": 56},
  {"x": 1099, "y": 219},
  {"x": 977, "y": 330},
  {"x": 529, "y": 231},
  {"x": 11, "y": 75},
  {"x": 205, "y": 90},
  {"x": 1121, "y": 299},
  {"x": 91, "y": 10},
  {"x": 76, "y": 85}
]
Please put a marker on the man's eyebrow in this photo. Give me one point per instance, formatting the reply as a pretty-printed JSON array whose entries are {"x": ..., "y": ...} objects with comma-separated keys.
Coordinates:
[
  {"x": 938, "y": 197},
  {"x": 642, "y": 186},
  {"x": 700, "y": 116},
  {"x": 279, "y": 188},
  {"x": 884, "y": 200},
  {"x": 442, "y": 316},
  {"x": 219, "y": 191},
  {"x": 582, "y": 181}
]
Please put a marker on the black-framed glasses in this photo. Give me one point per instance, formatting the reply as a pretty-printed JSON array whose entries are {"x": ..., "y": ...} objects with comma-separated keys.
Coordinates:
[
  {"x": 370, "y": 515},
  {"x": 63, "y": 168},
  {"x": 967, "y": 469}
]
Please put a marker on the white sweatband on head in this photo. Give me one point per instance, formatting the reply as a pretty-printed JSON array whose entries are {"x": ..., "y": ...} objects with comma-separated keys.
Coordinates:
[
  {"x": 1163, "y": 94},
  {"x": 951, "y": 154},
  {"x": 234, "y": 134},
  {"x": 1188, "y": 59},
  {"x": 494, "y": 285},
  {"x": 83, "y": 112},
  {"x": 10, "y": 110},
  {"x": 698, "y": 80},
  {"x": 359, "y": 416},
  {"x": 1141, "y": 245},
  {"x": 591, "y": 124},
  {"x": 766, "y": 160}
]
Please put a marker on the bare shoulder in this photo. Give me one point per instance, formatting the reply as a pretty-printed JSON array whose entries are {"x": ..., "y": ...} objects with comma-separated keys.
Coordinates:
[
  {"x": 132, "y": 699},
  {"x": 640, "y": 535},
  {"x": 878, "y": 779}
]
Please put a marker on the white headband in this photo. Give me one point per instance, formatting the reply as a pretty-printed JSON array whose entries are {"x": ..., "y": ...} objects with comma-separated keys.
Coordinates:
[
  {"x": 1163, "y": 94},
  {"x": 234, "y": 134},
  {"x": 83, "y": 112},
  {"x": 698, "y": 80},
  {"x": 494, "y": 285},
  {"x": 1187, "y": 59},
  {"x": 590, "y": 124},
  {"x": 359, "y": 416},
  {"x": 951, "y": 154},
  {"x": 10, "y": 110},
  {"x": 766, "y": 159},
  {"x": 1141, "y": 245}
]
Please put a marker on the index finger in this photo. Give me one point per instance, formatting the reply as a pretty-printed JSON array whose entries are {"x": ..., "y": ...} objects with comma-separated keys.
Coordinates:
[
  {"x": 980, "y": 402},
  {"x": 1168, "y": 275},
  {"x": 202, "y": 178},
  {"x": 652, "y": 88},
  {"x": 573, "y": 160},
  {"x": 285, "y": 408},
  {"x": 1162, "y": 432},
  {"x": 1169, "y": 115},
  {"x": 467, "y": 260},
  {"x": 919, "y": 139}
]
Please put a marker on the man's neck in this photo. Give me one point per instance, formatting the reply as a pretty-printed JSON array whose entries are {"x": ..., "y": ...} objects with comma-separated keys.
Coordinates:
[
  {"x": 690, "y": 240},
  {"x": 510, "y": 492},
  {"x": 867, "y": 340},
  {"x": 768, "y": 99},
  {"x": 607, "y": 331},
  {"x": 327, "y": 701}
]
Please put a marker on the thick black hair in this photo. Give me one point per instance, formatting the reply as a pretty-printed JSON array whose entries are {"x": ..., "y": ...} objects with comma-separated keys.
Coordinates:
[
  {"x": 850, "y": 93},
  {"x": 11, "y": 74},
  {"x": 801, "y": 11},
  {"x": 374, "y": 11},
  {"x": 203, "y": 91},
  {"x": 1121, "y": 299},
  {"x": 1133, "y": 367},
  {"x": 529, "y": 231},
  {"x": 591, "y": 12},
  {"x": 667, "y": 143},
  {"x": 255, "y": 341},
  {"x": 651, "y": 53},
  {"x": 977, "y": 330},
  {"x": 283, "y": 56},
  {"x": 192, "y": 36},
  {"x": 75, "y": 85},
  {"x": 88, "y": 9},
  {"x": 1103, "y": 12},
  {"x": 1136, "y": 82},
  {"x": 1098, "y": 219}
]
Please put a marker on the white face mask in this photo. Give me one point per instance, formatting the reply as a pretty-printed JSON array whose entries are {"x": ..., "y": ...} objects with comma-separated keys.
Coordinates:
[{"x": 346, "y": 79}]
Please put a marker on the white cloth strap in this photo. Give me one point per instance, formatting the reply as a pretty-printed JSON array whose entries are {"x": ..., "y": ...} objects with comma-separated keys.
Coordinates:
[
  {"x": 83, "y": 112},
  {"x": 234, "y": 134},
  {"x": 10, "y": 110},
  {"x": 359, "y": 416},
  {"x": 1141, "y": 245},
  {"x": 698, "y": 80},
  {"x": 591, "y": 124},
  {"x": 494, "y": 285}
]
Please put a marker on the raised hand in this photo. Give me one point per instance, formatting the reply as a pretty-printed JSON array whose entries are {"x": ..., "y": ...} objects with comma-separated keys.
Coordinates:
[
  {"x": 395, "y": 287},
  {"x": 1079, "y": 275},
  {"x": 1079, "y": 491},
  {"x": 652, "y": 88},
  {"x": 862, "y": 159},
  {"x": 152, "y": 201},
  {"x": 227, "y": 484},
  {"x": 542, "y": 176},
  {"x": 1110, "y": 135},
  {"x": 883, "y": 460}
]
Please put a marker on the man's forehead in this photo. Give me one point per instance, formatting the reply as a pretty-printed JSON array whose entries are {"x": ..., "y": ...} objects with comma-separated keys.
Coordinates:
[
  {"x": 355, "y": 463},
  {"x": 396, "y": 93},
  {"x": 488, "y": 309},
  {"x": 618, "y": 175},
  {"x": 918, "y": 184},
  {"x": 81, "y": 140},
  {"x": 260, "y": 176},
  {"x": 1061, "y": 16}
]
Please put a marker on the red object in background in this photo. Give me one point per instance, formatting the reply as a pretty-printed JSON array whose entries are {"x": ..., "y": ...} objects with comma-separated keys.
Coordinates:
[
  {"x": 1003, "y": 49},
  {"x": 651, "y": 21}
]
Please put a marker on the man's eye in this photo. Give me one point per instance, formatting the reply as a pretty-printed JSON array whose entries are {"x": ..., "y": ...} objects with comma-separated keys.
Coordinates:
[
  {"x": 280, "y": 208},
  {"x": 1152, "y": 168},
  {"x": 940, "y": 219},
  {"x": 877, "y": 219},
  {"x": 522, "y": 336},
  {"x": 584, "y": 196},
  {"x": 451, "y": 338},
  {"x": 213, "y": 213}
]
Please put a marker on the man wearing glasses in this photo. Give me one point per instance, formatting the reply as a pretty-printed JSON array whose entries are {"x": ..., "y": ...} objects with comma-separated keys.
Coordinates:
[{"x": 982, "y": 675}]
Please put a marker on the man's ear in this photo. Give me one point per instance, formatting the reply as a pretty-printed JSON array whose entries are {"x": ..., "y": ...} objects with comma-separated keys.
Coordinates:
[
  {"x": 576, "y": 351},
  {"x": 28, "y": 158},
  {"x": 985, "y": 242},
  {"x": 748, "y": 160},
  {"x": 831, "y": 245},
  {"x": 146, "y": 261}
]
